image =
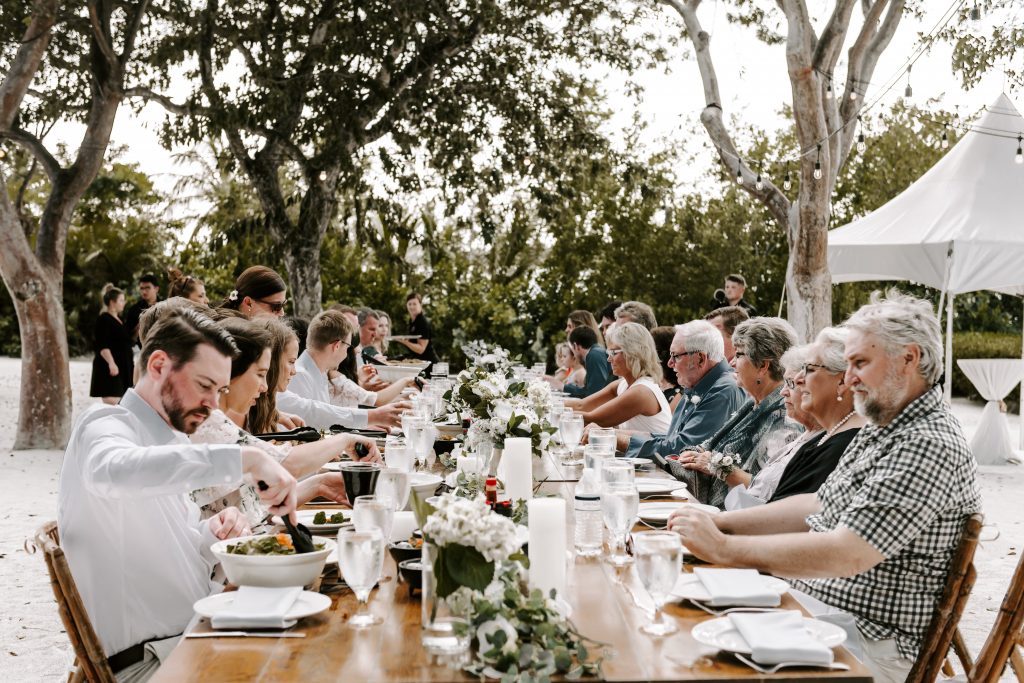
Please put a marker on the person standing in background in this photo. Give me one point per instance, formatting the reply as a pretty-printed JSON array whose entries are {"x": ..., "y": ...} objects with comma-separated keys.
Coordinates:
[
  {"x": 420, "y": 326},
  {"x": 149, "y": 293},
  {"x": 112, "y": 366}
]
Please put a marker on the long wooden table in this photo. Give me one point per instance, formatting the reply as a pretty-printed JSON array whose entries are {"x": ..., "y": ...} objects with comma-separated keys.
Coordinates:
[{"x": 604, "y": 608}]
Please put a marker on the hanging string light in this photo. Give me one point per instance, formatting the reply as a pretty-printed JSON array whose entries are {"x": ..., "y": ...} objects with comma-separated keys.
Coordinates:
[
  {"x": 787, "y": 182},
  {"x": 817, "y": 165},
  {"x": 945, "y": 137},
  {"x": 828, "y": 88},
  {"x": 1020, "y": 153},
  {"x": 861, "y": 144},
  {"x": 956, "y": 117},
  {"x": 759, "y": 184},
  {"x": 909, "y": 92},
  {"x": 739, "y": 170},
  {"x": 975, "y": 13}
]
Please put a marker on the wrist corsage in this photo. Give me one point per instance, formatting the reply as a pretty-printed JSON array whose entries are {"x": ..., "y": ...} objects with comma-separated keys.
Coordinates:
[{"x": 721, "y": 465}]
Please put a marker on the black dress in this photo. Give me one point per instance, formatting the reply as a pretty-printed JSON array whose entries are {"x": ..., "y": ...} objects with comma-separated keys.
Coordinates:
[
  {"x": 810, "y": 467},
  {"x": 111, "y": 334},
  {"x": 421, "y": 326}
]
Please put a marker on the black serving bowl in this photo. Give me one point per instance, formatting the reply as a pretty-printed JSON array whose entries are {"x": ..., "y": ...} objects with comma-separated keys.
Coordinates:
[
  {"x": 446, "y": 445},
  {"x": 402, "y": 551},
  {"x": 411, "y": 572}
]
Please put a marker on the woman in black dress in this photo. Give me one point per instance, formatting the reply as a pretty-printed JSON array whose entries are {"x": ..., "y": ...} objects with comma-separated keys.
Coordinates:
[
  {"x": 421, "y": 348},
  {"x": 112, "y": 366}
]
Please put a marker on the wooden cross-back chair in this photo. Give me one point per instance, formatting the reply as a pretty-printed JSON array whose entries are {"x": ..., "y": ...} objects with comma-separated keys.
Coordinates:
[
  {"x": 943, "y": 626},
  {"x": 91, "y": 661},
  {"x": 1006, "y": 638}
]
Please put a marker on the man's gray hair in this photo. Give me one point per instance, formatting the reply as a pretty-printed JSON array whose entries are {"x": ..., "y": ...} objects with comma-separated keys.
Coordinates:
[
  {"x": 900, "y": 320},
  {"x": 365, "y": 313},
  {"x": 831, "y": 346},
  {"x": 793, "y": 360},
  {"x": 765, "y": 339},
  {"x": 700, "y": 335},
  {"x": 638, "y": 312}
]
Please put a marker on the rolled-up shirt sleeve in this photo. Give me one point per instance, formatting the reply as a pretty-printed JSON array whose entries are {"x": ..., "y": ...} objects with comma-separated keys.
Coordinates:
[
  {"x": 321, "y": 415},
  {"x": 115, "y": 466}
]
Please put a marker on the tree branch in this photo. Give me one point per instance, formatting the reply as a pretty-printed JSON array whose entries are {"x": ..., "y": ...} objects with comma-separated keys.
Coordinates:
[
  {"x": 148, "y": 95},
  {"x": 26, "y": 62},
  {"x": 101, "y": 38},
  {"x": 36, "y": 148},
  {"x": 711, "y": 116},
  {"x": 830, "y": 44},
  {"x": 132, "y": 32}
]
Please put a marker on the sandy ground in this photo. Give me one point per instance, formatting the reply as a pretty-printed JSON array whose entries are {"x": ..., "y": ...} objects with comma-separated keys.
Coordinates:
[{"x": 33, "y": 646}]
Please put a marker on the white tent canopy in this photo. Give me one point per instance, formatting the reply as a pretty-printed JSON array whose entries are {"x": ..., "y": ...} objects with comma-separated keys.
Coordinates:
[{"x": 959, "y": 228}]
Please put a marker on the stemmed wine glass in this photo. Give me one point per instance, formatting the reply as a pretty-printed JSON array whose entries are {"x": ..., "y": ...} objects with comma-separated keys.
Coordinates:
[
  {"x": 570, "y": 427},
  {"x": 620, "y": 503},
  {"x": 393, "y": 487},
  {"x": 399, "y": 454},
  {"x": 361, "y": 558},
  {"x": 374, "y": 511},
  {"x": 603, "y": 437},
  {"x": 659, "y": 559}
]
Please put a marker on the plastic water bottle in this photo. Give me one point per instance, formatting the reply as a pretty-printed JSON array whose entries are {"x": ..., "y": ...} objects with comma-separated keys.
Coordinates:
[{"x": 588, "y": 536}]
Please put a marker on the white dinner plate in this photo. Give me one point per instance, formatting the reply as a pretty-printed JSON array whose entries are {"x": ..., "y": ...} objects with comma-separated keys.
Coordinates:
[
  {"x": 658, "y": 512},
  {"x": 307, "y": 604},
  {"x": 681, "y": 493},
  {"x": 689, "y": 587},
  {"x": 719, "y": 633},
  {"x": 654, "y": 486},
  {"x": 306, "y": 517}
]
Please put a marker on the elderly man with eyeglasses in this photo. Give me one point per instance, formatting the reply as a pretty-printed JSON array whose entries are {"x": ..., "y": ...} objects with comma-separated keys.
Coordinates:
[
  {"x": 710, "y": 394},
  {"x": 887, "y": 521}
]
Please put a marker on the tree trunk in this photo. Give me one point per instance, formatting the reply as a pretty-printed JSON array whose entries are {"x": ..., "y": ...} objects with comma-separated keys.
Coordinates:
[
  {"x": 44, "y": 417},
  {"x": 302, "y": 259},
  {"x": 809, "y": 285}
]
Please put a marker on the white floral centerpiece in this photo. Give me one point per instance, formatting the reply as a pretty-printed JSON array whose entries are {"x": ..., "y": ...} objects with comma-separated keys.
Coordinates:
[{"x": 478, "y": 574}]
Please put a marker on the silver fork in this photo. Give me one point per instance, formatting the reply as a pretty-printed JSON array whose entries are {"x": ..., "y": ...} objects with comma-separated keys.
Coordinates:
[
  {"x": 723, "y": 612},
  {"x": 835, "y": 666}
]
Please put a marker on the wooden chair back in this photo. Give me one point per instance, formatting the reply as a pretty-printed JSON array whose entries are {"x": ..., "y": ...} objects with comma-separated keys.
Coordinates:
[
  {"x": 1006, "y": 636},
  {"x": 91, "y": 660},
  {"x": 950, "y": 606}
]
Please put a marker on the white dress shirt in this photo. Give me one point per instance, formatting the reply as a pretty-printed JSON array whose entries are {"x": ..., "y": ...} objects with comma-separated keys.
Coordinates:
[
  {"x": 309, "y": 397},
  {"x": 139, "y": 554}
]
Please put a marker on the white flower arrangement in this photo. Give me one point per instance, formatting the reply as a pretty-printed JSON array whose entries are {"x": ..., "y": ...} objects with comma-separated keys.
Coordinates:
[
  {"x": 721, "y": 465},
  {"x": 470, "y": 522}
]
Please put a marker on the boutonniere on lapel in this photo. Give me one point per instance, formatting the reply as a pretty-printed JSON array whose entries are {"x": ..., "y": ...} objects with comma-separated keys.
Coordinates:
[{"x": 695, "y": 399}]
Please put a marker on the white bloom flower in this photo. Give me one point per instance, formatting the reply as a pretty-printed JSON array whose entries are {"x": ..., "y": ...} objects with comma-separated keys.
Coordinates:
[
  {"x": 485, "y": 633},
  {"x": 695, "y": 399},
  {"x": 461, "y": 601}
]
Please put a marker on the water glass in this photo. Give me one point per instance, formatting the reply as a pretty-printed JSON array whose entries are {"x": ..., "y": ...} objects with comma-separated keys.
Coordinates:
[
  {"x": 400, "y": 454},
  {"x": 659, "y": 560},
  {"x": 570, "y": 426},
  {"x": 604, "y": 437},
  {"x": 593, "y": 456},
  {"x": 612, "y": 472},
  {"x": 361, "y": 558},
  {"x": 407, "y": 417},
  {"x": 620, "y": 504},
  {"x": 393, "y": 486},
  {"x": 439, "y": 369},
  {"x": 373, "y": 512}
]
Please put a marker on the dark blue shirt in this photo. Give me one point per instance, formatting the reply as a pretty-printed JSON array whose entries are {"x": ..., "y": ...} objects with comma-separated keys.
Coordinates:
[{"x": 599, "y": 374}]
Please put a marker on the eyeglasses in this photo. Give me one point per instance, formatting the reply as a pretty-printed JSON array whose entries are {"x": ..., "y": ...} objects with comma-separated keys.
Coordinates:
[
  {"x": 806, "y": 366},
  {"x": 790, "y": 384},
  {"x": 614, "y": 352},
  {"x": 274, "y": 306},
  {"x": 739, "y": 354},
  {"x": 674, "y": 357}
]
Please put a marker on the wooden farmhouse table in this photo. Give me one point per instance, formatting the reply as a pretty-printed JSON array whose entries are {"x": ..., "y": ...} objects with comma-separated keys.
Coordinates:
[{"x": 605, "y": 608}]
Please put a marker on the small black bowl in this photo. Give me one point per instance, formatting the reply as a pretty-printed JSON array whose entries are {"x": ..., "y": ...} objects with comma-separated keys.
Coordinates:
[
  {"x": 402, "y": 551},
  {"x": 411, "y": 572}
]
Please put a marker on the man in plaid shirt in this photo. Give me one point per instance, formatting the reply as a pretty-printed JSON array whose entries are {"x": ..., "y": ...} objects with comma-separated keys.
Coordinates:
[{"x": 884, "y": 526}]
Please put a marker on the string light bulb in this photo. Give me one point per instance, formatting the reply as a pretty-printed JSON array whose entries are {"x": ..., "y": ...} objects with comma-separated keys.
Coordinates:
[
  {"x": 861, "y": 144},
  {"x": 739, "y": 170},
  {"x": 908, "y": 92},
  {"x": 956, "y": 117},
  {"x": 1020, "y": 153},
  {"x": 828, "y": 90},
  {"x": 759, "y": 184},
  {"x": 817, "y": 165},
  {"x": 975, "y": 13},
  {"x": 787, "y": 182},
  {"x": 945, "y": 138}
]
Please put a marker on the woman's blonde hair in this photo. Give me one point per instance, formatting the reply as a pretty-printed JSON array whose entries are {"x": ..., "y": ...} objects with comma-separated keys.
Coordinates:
[{"x": 637, "y": 346}]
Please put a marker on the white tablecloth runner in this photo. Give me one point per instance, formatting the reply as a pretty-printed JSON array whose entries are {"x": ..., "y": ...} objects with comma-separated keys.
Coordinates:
[{"x": 994, "y": 378}]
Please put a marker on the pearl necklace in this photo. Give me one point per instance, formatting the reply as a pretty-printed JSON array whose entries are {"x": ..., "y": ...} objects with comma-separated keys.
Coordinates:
[{"x": 839, "y": 424}]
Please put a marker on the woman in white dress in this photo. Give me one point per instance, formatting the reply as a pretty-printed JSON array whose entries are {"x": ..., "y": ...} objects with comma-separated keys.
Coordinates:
[
  {"x": 636, "y": 401},
  {"x": 229, "y": 424}
]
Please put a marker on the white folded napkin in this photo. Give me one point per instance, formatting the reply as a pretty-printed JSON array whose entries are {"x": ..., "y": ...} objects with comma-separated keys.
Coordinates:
[
  {"x": 744, "y": 587},
  {"x": 776, "y": 637},
  {"x": 256, "y": 607}
]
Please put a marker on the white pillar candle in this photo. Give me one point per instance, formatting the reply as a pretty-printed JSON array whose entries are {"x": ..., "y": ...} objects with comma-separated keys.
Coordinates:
[
  {"x": 518, "y": 468},
  {"x": 547, "y": 545}
]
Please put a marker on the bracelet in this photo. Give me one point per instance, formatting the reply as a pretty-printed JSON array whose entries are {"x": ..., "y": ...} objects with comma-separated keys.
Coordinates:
[{"x": 722, "y": 465}]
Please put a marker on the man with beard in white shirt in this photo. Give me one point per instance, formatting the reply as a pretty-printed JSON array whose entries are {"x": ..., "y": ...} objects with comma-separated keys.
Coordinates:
[{"x": 139, "y": 554}]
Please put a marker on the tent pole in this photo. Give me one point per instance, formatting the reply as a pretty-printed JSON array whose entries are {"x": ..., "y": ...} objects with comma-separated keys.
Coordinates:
[
  {"x": 949, "y": 350},
  {"x": 782, "y": 301},
  {"x": 942, "y": 301},
  {"x": 1020, "y": 409}
]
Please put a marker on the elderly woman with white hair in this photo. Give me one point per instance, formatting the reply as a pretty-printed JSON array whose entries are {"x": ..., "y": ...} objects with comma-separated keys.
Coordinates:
[
  {"x": 635, "y": 401},
  {"x": 740, "y": 448}
]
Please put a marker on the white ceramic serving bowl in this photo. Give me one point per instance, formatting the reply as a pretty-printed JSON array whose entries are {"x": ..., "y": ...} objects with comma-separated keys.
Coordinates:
[
  {"x": 424, "y": 484},
  {"x": 272, "y": 571},
  {"x": 393, "y": 373}
]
